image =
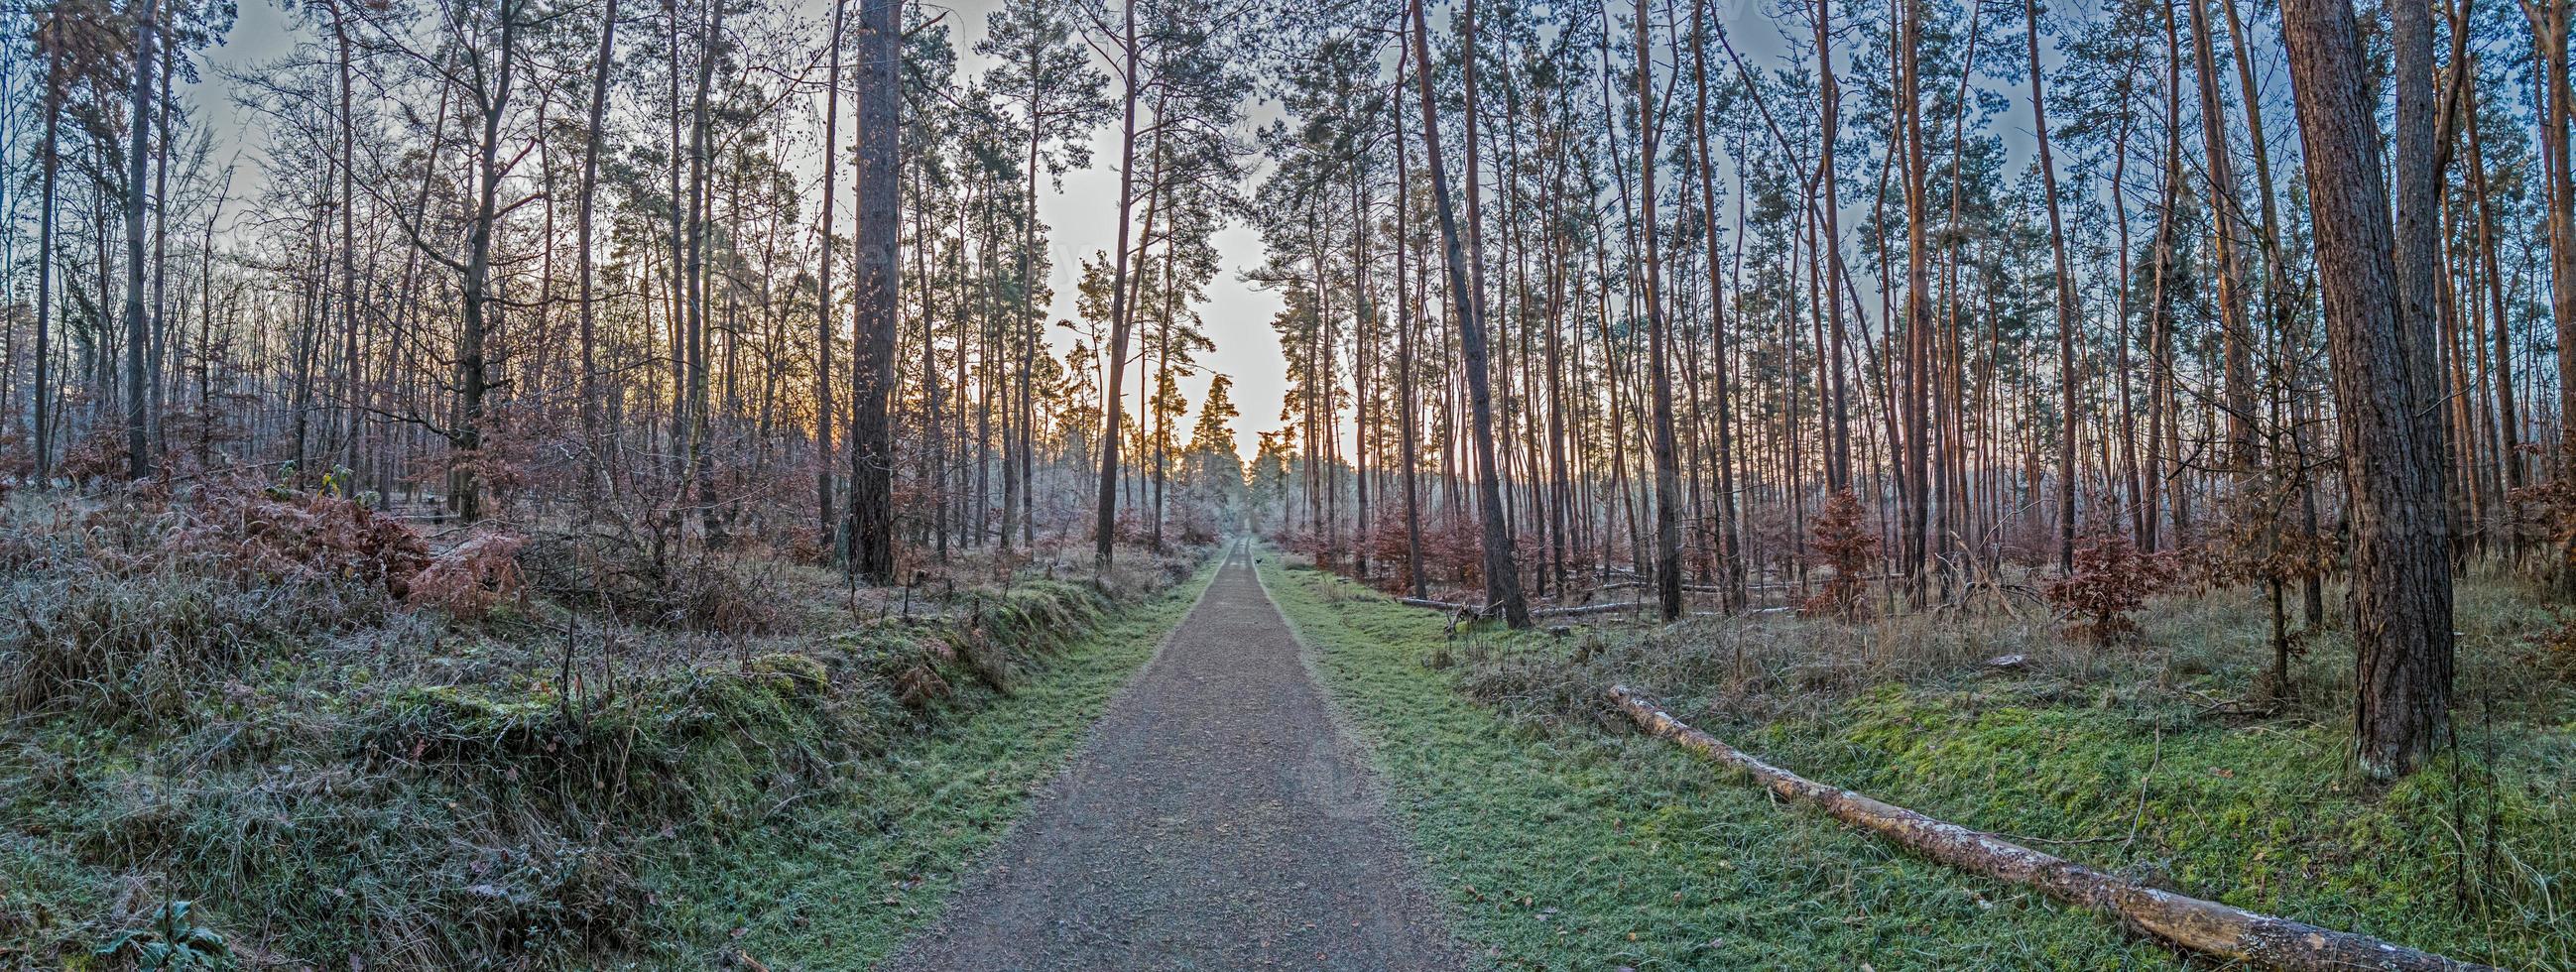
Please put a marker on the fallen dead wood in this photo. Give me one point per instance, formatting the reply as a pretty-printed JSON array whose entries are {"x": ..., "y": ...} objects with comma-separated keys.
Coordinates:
[
  {"x": 1478, "y": 611},
  {"x": 2190, "y": 923},
  {"x": 1588, "y": 609}
]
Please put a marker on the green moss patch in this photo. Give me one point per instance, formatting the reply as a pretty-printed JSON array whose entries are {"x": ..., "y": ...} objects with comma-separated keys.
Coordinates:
[
  {"x": 1572, "y": 848},
  {"x": 2098, "y": 762}
]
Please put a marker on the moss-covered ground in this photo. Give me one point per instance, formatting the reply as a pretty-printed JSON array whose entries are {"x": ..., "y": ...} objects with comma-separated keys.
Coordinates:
[
  {"x": 1566, "y": 841},
  {"x": 757, "y": 762}
]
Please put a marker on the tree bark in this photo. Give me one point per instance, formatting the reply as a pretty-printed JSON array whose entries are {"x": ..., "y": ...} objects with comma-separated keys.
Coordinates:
[
  {"x": 590, "y": 463},
  {"x": 465, "y": 439},
  {"x": 1105, "y": 531},
  {"x": 138, "y": 453},
  {"x": 1730, "y": 529},
  {"x": 2227, "y": 221},
  {"x": 1668, "y": 487},
  {"x": 1405, "y": 405},
  {"x": 2067, "y": 313},
  {"x": 2387, "y": 388},
  {"x": 823, "y": 287},
  {"x": 876, "y": 278},
  {"x": 1502, "y": 579},
  {"x": 52, "y": 164}
]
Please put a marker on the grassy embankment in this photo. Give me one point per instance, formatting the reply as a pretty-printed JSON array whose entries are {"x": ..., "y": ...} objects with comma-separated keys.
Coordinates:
[
  {"x": 841, "y": 886},
  {"x": 1567, "y": 842},
  {"x": 240, "y": 698}
]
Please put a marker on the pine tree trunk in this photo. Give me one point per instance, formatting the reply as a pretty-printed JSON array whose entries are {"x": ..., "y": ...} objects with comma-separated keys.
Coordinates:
[
  {"x": 1502, "y": 579},
  {"x": 2067, "y": 312},
  {"x": 1105, "y": 530},
  {"x": 138, "y": 453},
  {"x": 876, "y": 278},
  {"x": 2387, "y": 392}
]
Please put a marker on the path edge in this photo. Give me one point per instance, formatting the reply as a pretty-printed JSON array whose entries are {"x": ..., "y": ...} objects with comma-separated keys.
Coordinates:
[{"x": 980, "y": 870}]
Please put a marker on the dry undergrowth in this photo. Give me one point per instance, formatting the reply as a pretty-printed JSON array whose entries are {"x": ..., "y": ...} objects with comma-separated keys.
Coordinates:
[{"x": 348, "y": 736}]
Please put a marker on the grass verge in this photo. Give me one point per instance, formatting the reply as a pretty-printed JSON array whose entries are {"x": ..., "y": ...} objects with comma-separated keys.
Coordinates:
[
  {"x": 1569, "y": 848},
  {"x": 840, "y": 884},
  {"x": 2117, "y": 757}
]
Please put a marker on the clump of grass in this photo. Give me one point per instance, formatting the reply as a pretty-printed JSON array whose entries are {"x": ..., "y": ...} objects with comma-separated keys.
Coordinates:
[{"x": 138, "y": 647}]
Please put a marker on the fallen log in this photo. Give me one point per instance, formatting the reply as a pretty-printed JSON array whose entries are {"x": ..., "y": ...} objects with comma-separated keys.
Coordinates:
[
  {"x": 2191, "y": 923},
  {"x": 1587, "y": 609},
  {"x": 1478, "y": 610}
]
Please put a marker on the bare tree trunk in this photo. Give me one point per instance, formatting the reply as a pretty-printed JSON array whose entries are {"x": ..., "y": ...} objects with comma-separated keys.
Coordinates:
[
  {"x": 348, "y": 244},
  {"x": 2387, "y": 389},
  {"x": 1829, "y": 100},
  {"x": 2067, "y": 313},
  {"x": 138, "y": 453},
  {"x": 2549, "y": 29},
  {"x": 823, "y": 297},
  {"x": 2508, "y": 416},
  {"x": 1668, "y": 531},
  {"x": 43, "y": 436},
  {"x": 1105, "y": 531},
  {"x": 872, "y": 452},
  {"x": 2226, "y": 220},
  {"x": 695, "y": 294},
  {"x": 1918, "y": 305},
  {"x": 589, "y": 194},
  {"x": 1404, "y": 348},
  {"x": 1502, "y": 578},
  {"x": 465, "y": 440},
  {"x": 1730, "y": 530}
]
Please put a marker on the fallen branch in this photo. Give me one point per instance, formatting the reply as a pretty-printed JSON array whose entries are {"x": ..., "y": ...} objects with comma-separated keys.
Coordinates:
[
  {"x": 2191, "y": 923},
  {"x": 1478, "y": 611},
  {"x": 1580, "y": 611}
]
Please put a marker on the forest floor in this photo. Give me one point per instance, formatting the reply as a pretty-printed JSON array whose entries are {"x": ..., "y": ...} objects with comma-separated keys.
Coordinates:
[
  {"x": 347, "y": 740},
  {"x": 350, "y": 741},
  {"x": 1564, "y": 839},
  {"x": 1219, "y": 818}
]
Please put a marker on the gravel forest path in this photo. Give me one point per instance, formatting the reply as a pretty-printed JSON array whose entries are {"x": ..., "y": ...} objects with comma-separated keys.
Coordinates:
[{"x": 1218, "y": 819}]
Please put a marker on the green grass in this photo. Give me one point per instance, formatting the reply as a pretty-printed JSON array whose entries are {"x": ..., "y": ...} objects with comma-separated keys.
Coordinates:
[
  {"x": 838, "y": 884},
  {"x": 1574, "y": 848},
  {"x": 2112, "y": 757},
  {"x": 2268, "y": 818}
]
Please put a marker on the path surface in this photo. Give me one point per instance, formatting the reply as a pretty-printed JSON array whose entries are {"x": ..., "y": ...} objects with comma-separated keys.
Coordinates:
[{"x": 1218, "y": 819}]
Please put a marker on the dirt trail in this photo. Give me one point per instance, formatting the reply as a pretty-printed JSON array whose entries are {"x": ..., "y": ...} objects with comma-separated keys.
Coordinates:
[{"x": 1218, "y": 819}]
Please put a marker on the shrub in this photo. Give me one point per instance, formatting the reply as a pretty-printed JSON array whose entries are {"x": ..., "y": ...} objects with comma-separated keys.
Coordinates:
[
  {"x": 640, "y": 581},
  {"x": 274, "y": 535},
  {"x": 1843, "y": 543},
  {"x": 2112, "y": 579},
  {"x": 473, "y": 578}
]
